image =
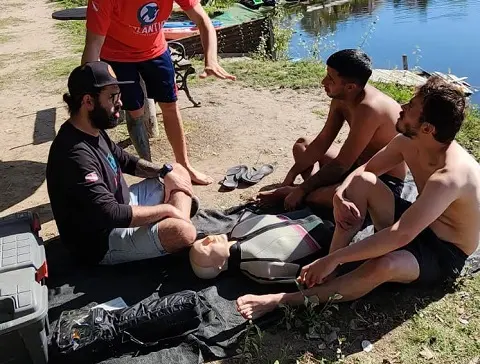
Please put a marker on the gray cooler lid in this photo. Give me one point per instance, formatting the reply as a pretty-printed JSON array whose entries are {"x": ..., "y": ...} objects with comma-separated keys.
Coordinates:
[{"x": 19, "y": 251}]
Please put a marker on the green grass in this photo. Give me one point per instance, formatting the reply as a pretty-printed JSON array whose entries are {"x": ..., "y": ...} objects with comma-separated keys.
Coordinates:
[
  {"x": 56, "y": 68},
  {"x": 76, "y": 30},
  {"x": 280, "y": 74},
  {"x": 4, "y": 38},
  {"x": 71, "y": 3},
  {"x": 400, "y": 93},
  {"x": 439, "y": 328},
  {"x": 7, "y": 22},
  {"x": 469, "y": 135}
]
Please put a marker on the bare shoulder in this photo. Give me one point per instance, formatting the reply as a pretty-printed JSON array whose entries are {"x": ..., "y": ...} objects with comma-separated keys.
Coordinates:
[
  {"x": 379, "y": 103},
  {"x": 460, "y": 169},
  {"x": 368, "y": 112},
  {"x": 462, "y": 164}
]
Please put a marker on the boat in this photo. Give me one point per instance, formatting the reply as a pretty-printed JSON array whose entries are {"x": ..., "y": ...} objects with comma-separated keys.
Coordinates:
[
  {"x": 181, "y": 29},
  {"x": 451, "y": 78},
  {"x": 256, "y": 4}
]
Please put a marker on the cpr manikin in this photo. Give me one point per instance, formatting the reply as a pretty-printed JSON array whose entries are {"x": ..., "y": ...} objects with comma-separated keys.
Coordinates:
[{"x": 267, "y": 248}]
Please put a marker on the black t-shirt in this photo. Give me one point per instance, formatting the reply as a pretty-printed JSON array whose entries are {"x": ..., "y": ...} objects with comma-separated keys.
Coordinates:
[{"x": 88, "y": 193}]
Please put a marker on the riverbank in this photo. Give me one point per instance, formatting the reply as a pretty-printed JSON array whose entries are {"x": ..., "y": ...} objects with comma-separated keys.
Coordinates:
[{"x": 252, "y": 121}]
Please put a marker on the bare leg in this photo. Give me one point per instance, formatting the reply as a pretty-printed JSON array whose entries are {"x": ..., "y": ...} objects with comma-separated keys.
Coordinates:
[
  {"x": 172, "y": 120},
  {"x": 277, "y": 196},
  {"x": 399, "y": 266},
  {"x": 274, "y": 197},
  {"x": 176, "y": 234},
  {"x": 179, "y": 199},
  {"x": 138, "y": 133},
  {"x": 322, "y": 197},
  {"x": 298, "y": 151},
  {"x": 367, "y": 192}
]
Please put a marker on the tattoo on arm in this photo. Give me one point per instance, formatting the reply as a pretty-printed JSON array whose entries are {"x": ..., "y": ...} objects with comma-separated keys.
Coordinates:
[
  {"x": 329, "y": 174},
  {"x": 147, "y": 169}
]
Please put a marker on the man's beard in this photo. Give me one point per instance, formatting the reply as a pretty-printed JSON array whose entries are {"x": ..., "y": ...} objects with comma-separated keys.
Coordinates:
[
  {"x": 101, "y": 119},
  {"x": 409, "y": 132},
  {"x": 338, "y": 96}
]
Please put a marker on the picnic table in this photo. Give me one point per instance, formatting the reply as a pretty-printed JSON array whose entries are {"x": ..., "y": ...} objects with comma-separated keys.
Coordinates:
[{"x": 79, "y": 13}]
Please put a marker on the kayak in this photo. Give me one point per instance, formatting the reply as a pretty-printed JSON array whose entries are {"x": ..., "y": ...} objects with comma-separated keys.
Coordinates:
[
  {"x": 186, "y": 24},
  {"x": 182, "y": 29}
]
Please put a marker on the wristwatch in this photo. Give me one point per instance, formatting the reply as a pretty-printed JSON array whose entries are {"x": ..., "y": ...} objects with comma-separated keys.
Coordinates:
[{"x": 167, "y": 168}]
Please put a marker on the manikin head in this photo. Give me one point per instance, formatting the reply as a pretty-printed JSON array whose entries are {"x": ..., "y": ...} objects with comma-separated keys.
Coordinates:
[
  {"x": 94, "y": 95},
  {"x": 348, "y": 72},
  {"x": 435, "y": 113},
  {"x": 209, "y": 256}
]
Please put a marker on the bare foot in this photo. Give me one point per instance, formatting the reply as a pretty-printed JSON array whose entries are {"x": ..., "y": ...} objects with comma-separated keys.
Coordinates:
[
  {"x": 199, "y": 178},
  {"x": 252, "y": 306},
  {"x": 273, "y": 197}
]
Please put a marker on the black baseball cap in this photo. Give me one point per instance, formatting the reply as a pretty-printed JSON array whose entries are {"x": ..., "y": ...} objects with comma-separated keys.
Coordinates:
[{"x": 90, "y": 77}]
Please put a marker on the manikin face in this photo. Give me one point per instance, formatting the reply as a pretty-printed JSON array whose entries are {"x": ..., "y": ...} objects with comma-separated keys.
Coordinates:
[
  {"x": 212, "y": 251},
  {"x": 409, "y": 121},
  {"x": 334, "y": 85}
]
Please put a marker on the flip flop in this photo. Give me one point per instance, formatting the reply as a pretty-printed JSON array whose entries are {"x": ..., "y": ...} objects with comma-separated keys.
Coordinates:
[
  {"x": 256, "y": 175},
  {"x": 195, "y": 206},
  {"x": 233, "y": 175}
]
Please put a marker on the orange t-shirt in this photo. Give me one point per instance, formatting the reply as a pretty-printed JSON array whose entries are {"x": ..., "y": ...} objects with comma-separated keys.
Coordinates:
[{"x": 132, "y": 28}]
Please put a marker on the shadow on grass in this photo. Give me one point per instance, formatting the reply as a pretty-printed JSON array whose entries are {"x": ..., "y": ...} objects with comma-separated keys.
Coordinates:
[{"x": 341, "y": 328}]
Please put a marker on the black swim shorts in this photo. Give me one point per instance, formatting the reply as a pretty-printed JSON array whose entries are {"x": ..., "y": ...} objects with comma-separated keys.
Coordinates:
[
  {"x": 393, "y": 183},
  {"x": 438, "y": 260}
]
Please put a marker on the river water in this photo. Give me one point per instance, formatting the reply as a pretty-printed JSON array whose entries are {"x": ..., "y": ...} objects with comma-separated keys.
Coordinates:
[{"x": 436, "y": 35}]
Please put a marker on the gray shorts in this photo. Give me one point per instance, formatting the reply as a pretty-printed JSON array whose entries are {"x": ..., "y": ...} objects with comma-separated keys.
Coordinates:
[{"x": 137, "y": 243}]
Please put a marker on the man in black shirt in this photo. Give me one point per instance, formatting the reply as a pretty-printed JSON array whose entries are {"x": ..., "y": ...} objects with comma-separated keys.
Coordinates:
[{"x": 99, "y": 218}]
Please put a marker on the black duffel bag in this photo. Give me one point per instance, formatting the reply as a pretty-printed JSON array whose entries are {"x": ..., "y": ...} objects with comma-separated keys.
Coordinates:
[{"x": 86, "y": 334}]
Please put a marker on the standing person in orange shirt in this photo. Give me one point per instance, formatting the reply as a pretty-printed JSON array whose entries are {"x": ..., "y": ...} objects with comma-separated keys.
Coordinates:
[{"x": 128, "y": 35}]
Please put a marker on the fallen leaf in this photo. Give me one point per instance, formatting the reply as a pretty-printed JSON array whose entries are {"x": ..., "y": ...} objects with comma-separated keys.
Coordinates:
[
  {"x": 337, "y": 296},
  {"x": 463, "y": 321},
  {"x": 357, "y": 325},
  {"x": 312, "y": 336},
  {"x": 330, "y": 338},
  {"x": 367, "y": 346},
  {"x": 426, "y": 353}
]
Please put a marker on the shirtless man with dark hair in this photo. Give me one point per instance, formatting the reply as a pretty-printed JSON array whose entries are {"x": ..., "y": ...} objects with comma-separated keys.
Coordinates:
[
  {"x": 371, "y": 116},
  {"x": 426, "y": 241}
]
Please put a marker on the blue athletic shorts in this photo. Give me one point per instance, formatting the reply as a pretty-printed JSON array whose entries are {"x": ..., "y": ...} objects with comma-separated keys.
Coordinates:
[{"x": 158, "y": 74}]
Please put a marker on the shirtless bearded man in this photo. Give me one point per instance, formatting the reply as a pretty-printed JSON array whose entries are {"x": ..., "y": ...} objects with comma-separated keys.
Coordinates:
[
  {"x": 425, "y": 242},
  {"x": 371, "y": 116}
]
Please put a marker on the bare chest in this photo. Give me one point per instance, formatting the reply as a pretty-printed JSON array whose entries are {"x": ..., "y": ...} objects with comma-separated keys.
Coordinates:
[{"x": 421, "y": 169}]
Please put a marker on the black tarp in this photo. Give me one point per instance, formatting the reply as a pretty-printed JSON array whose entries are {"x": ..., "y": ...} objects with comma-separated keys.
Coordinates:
[{"x": 73, "y": 287}]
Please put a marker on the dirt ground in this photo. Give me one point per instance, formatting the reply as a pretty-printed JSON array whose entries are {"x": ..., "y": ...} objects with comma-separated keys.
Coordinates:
[{"x": 234, "y": 125}]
